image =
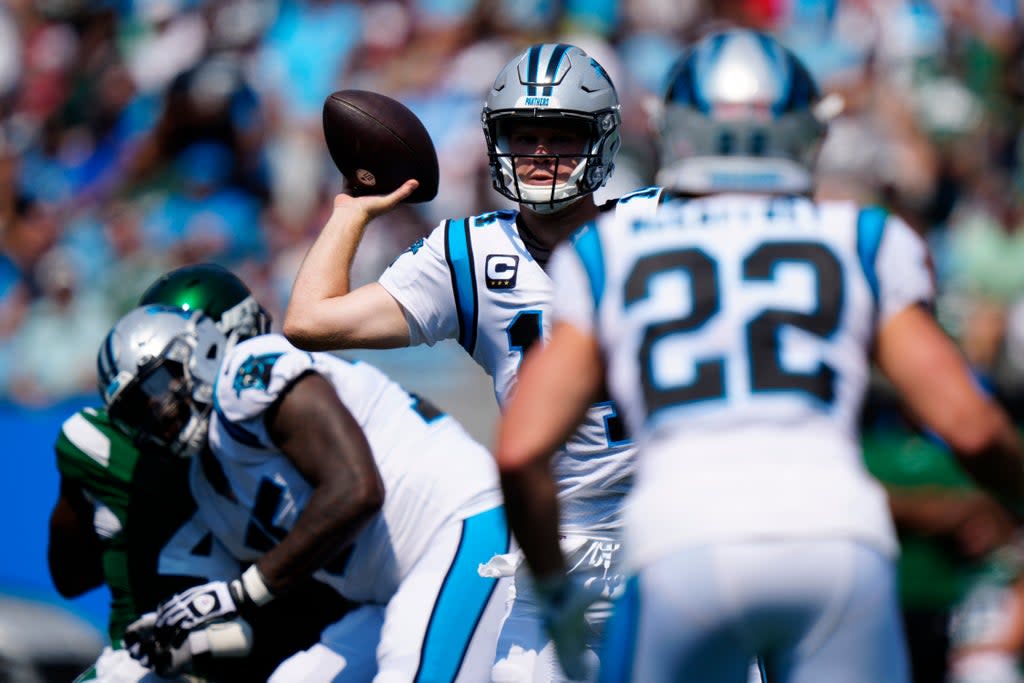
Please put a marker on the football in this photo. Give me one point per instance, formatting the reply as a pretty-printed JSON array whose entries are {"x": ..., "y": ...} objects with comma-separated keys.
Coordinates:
[{"x": 378, "y": 143}]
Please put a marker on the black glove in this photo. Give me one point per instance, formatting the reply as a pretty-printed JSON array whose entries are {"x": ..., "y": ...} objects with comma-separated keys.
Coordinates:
[{"x": 563, "y": 604}]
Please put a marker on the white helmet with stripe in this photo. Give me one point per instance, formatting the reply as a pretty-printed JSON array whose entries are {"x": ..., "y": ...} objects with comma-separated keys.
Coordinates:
[
  {"x": 738, "y": 115},
  {"x": 553, "y": 82}
]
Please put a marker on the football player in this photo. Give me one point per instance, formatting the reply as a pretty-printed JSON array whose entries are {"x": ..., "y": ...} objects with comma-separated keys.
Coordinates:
[
  {"x": 309, "y": 465},
  {"x": 551, "y": 123},
  {"x": 107, "y": 480},
  {"x": 735, "y": 329}
]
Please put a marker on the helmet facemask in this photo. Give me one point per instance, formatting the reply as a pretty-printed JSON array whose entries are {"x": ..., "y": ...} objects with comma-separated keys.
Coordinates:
[
  {"x": 244, "y": 320},
  {"x": 163, "y": 399},
  {"x": 590, "y": 165}
]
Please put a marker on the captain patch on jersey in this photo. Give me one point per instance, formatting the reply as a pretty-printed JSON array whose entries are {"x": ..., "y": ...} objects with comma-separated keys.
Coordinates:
[{"x": 501, "y": 271}]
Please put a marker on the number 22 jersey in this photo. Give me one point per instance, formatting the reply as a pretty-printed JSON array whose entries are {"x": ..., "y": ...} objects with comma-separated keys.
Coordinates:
[
  {"x": 475, "y": 281},
  {"x": 736, "y": 331}
]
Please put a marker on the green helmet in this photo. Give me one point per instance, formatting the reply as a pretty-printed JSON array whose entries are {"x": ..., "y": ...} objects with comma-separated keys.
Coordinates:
[{"x": 218, "y": 292}]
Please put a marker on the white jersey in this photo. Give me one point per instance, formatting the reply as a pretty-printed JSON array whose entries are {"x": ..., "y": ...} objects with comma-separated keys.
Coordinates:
[
  {"x": 736, "y": 331},
  {"x": 251, "y": 494},
  {"x": 474, "y": 280}
]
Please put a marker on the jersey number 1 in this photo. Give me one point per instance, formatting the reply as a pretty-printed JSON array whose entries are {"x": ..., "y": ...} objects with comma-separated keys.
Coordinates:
[{"x": 525, "y": 330}]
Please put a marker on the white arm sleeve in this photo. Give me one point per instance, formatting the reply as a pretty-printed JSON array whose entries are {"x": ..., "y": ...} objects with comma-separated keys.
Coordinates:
[
  {"x": 905, "y": 275},
  {"x": 573, "y": 302},
  {"x": 420, "y": 280}
]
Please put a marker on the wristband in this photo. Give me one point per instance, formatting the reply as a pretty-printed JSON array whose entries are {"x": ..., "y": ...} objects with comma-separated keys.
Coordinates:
[{"x": 254, "y": 588}]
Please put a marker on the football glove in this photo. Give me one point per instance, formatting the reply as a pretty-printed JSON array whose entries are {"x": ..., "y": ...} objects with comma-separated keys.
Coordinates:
[
  {"x": 563, "y": 604},
  {"x": 221, "y": 639},
  {"x": 213, "y": 601}
]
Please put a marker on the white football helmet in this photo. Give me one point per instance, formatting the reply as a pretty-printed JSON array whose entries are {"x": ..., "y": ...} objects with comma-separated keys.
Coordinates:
[
  {"x": 553, "y": 81},
  {"x": 738, "y": 116},
  {"x": 157, "y": 369}
]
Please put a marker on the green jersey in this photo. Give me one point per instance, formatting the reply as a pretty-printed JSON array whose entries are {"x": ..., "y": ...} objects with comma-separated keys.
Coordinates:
[
  {"x": 930, "y": 574},
  {"x": 142, "y": 511}
]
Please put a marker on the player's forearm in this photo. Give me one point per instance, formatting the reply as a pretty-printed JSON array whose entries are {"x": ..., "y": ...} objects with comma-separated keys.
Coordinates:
[
  {"x": 993, "y": 455},
  {"x": 324, "y": 274},
  {"x": 532, "y": 509},
  {"x": 327, "y": 527}
]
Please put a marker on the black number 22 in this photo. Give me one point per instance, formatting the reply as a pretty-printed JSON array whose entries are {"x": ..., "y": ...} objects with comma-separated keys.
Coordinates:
[{"x": 762, "y": 331}]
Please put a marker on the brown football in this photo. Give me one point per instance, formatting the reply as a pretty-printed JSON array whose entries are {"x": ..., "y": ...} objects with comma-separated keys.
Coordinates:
[{"x": 378, "y": 143}]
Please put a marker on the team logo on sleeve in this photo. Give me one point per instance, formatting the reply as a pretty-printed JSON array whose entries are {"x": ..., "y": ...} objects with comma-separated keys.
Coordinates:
[
  {"x": 500, "y": 271},
  {"x": 254, "y": 373}
]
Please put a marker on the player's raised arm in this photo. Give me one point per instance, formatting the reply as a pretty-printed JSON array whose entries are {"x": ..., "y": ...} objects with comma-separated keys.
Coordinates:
[
  {"x": 323, "y": 313},
  {"x": 393, "y": 160}
]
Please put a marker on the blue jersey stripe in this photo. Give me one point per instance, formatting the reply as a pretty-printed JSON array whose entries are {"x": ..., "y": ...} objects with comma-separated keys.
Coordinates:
[
  {"x": 463, "y": 597},
  {"x": 870, "y": 227},
  {"x": 459, "y": 255},
  {"x": 588, "y": 247},
  {"x": 553, "y": 63},
  {"x": 620, "y": 636}
]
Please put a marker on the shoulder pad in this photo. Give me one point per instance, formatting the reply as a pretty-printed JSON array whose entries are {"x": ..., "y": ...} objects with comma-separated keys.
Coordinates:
[
  {"x": 493, "y": 217},
  {"x": 255, "y": 373}
]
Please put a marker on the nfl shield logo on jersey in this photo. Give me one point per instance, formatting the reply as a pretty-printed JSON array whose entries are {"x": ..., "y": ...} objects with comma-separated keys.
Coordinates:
[{"x": 501, "y": 271}]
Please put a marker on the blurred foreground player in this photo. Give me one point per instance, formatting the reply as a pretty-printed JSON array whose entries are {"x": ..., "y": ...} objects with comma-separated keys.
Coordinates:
[{"x": 735, "y": 329}]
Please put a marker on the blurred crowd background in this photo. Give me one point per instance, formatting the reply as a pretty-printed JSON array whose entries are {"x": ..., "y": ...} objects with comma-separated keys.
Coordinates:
[{"x": 139, "y": 135}]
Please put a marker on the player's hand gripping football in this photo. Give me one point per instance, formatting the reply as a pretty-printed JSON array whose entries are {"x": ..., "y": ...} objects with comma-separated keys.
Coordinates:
[
  {"x": 563, "y": 606},
  {"x": 373, "y": 205}
]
